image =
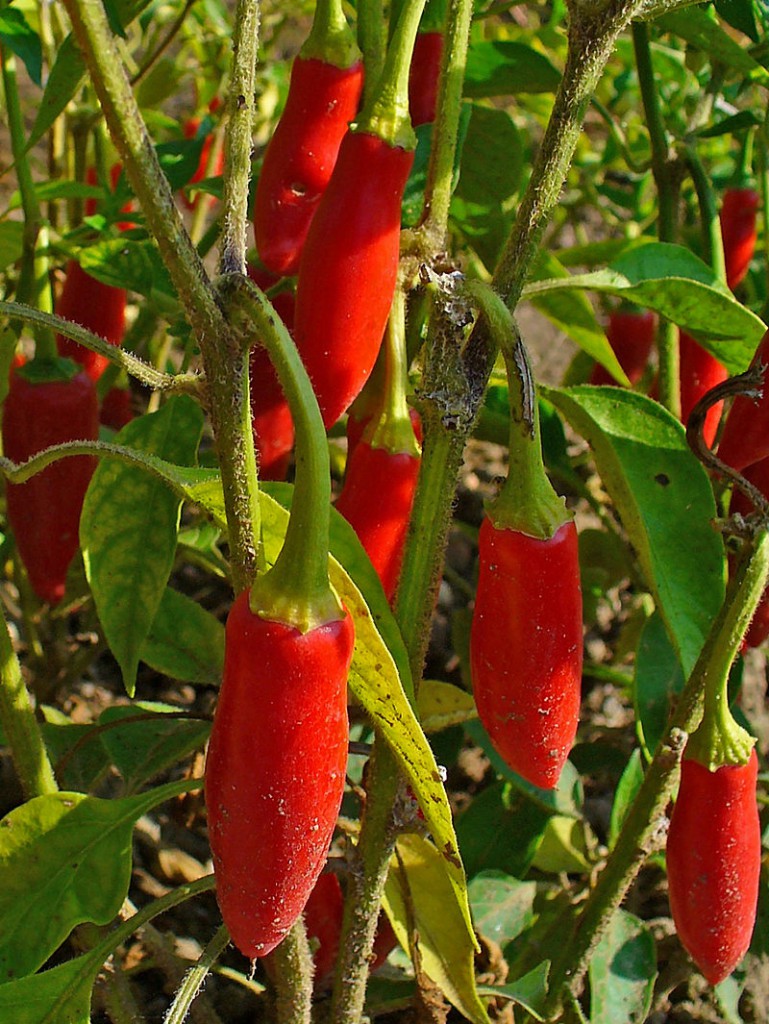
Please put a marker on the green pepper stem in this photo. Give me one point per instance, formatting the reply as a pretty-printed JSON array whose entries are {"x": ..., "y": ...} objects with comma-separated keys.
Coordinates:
[
  {"x": 331, "y": 39},
  {"x": 386, "y": 113},
  {"x": 710, "y": 224},
  {"x": 743, "y": 175},
  {"x": 391, "y": 427},
  {"x": 527, "y": 502},
  {"x": 296, "y": 590},
  {"x": 372, "y": 39},
  {"x": 21, "y": 729}
]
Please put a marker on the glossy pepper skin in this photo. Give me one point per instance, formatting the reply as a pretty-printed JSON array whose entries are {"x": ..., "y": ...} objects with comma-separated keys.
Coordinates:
[
  {"x": 758, "y": 475},
  {"x": 270, "y": 415},
  {"x": 323, "y": 922},
  {"x": 44, "y": 512},
  {"x": 526, "y": 648},
  {"x": 714, "y": 862},
  {"x": 745, "y": 439},
  {"x": 202, "y": 171},
  {"x": 116, "y": 408},
  {"x": 631, "y": 336},
  {"x": 423, "y": 77},
  {"x": 349, "y": 269},
  {"x": 275, "y": 769},
  {"x": 700, "y": 371},
  {"x": 738, "y": 230},
  {"x": 376, "y": 501},
  {"x": 99, "y": 308},
  {"x": 322, "y": 100}
]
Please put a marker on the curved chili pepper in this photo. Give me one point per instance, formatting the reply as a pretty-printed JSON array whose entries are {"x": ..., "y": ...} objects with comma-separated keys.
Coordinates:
[
  {"x": 738, "y": 230},
  {"x": 758, "y": 475},
  {"x": 323, "y": 923},
  {"x": 630, "y": 333},
  {"x": 745, "y": 439},
  {"x": 275, "y": 769},
  {"x": 700, "y": 371},
  {"x": 96, "y": 306},
  {"x": 322, "y": 100},
  {"x": 526, "y": 647},
  {"x": 44, "y": 512},
  {"x": 424, "y": 75},
  {"x": 190, "y": 129},
  {"x": 349, "y": 268},
  {"x": 376, "y": 501},
  {"x": 714, "y": 863}
]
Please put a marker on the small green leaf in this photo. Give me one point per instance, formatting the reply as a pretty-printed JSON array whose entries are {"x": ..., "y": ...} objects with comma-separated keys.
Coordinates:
[
  {"x": 665, "y": 500},
  {"x": 185, "y": 641},
  {"x": 563, "y": 847},
  {"x": 622, "y": 972},
  {"x": 501, "y": 830},
  {"x": 59, "y": 996},
  {"x": 64, "y": 859},
  {"x": 503, "y": 907},
  {"x": 698, "y": 28},
  {"x": 493, "y": 158},
  {"x": 676, "y": 284},
  {"x": 529, "y": 991},
  {"x": 658, "y": 679},
  {"x": 418, "y": 896},
  {"x": 17, "y": 34},
  {"x": 442, "y": 704},
  {"x": 128, "y": 529},
  {"x": 11, "y": 235},
  {"x": 66, "y": 77},
  {"x": 125, "y": 263},
  {"x": 628, "y": 786},
  {"x": 504, "y": 68},
  {"x": 142, "y": 749}
]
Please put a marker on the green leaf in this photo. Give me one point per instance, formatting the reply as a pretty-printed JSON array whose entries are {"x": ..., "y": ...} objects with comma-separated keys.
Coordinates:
[
  {"x": 66, "y": 77},
  {"x": 676, "y": 284},
  {"x": 65, "y": 858},
  {"x": 501, "y": 830},
  {"x": 740, "y": 15},
  {"x": 628, "y": 786},
  {"x": 128, "y": 529},
  {"x": 622, "y": 972},
  {"x": 697, "y": 27},
  {"x": 125, "y": 263},
  {"x": 11, "y": 235},
  {"x": 60, "y": 995},
  {"x": 658, "y": 679},
  {"x": 493, "y": 158},
  {"x": 665, "y": 500},
  {"x": 418, "y": 896},
  {"x": 502, "y": 906},
  {"x": 563, "y": 847},
  {"x": 185, "y": 641},
  {"x": 180, "y": 158},
  {"x": 87, "y": 763},
  {"x": 573, "y": 314},
  {"x": 529, "y": 991},
  {"x": 17, "y": 34},
  {"x": 443, "y": 704},
  {"x": 142, "y": 749},
  {"x": 503, "y": 68}
]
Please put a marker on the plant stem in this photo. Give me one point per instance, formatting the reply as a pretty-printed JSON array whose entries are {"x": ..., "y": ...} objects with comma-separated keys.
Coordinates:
[
  {"x": 710, "y": 225},
  {"x": 290, "y": 967},
  {"x": 644, "y": 829},
  {"x": 667, "y": 223},
  {"x": 223, "y": 358},
  {"x": 440, "y": 171},
  {"x": 372, "y": 40},
  {"x": 195, "y": 977},
  {"x": 20, "y": 726},
  {"x": 238, "y": 139}
]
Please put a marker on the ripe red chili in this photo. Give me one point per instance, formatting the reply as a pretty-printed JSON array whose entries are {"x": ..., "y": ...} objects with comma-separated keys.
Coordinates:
[
  {"x": 526, "y": 647},
  {"x": 376, "y": 501},
  {"x": 190, "y": 129},
  {"x": 714, "y": 862},
  {"x": 423, "y": 78},
  {"x": 738, "y": 230},
  {"x": 323, "y": 922},
  {"x": 96, "y": 306},
  {"x": 275, "y": 769},
  {"x": 44, "y": 512},
  {"x": 322, "y": 100},
  {"x": 745, "y": 439},
  {"x": 116, "y": 409},
  {"x": 631, "y": 336},
  {"x": 758, "y": 475},
  {"x": 349, "y": 268},
  {"x": 700, "y": 371}
]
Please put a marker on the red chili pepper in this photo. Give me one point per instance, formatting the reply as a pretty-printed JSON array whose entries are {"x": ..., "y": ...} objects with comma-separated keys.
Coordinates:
[
  {"x": 745, "y": 439},
  {"x": 322, "y": 100},
  {"x": 758, "y": 475},
  {"x": 44, "y": 512},
  {"x": 376, "y": 501},
  {"x": 738, "y": 229},
  {"x": 275, "y": 769},
  {"x": 700, "y": 371},
  {"x": 323, "y": 922},
  {"x": 423, "y": 78},
  {"x": 349, "y": 268},
  {"x": 96, "y": 306},
  {"x": 630, "y": 333},
  {"x": 270, "y": 414},
  {"x": 190, "y": 129},
  {"x": 116, "y": 409},
  {"x": 714, "y": 863},
  {"x": 526, "y": 647}
]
